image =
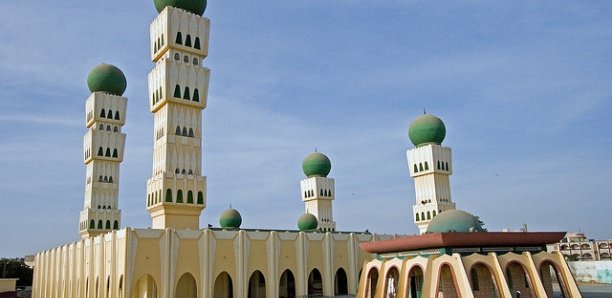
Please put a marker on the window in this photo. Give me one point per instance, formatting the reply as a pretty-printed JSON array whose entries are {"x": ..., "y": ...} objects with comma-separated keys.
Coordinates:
[
  {"x": 196, "y": 44},
  {"x": 438, "y": 167},
  {"x": 420, "y": 166},
  {"x": 446, "y": 166},
  {"x": 102, "y": 113},
  {"x": 110, "y": 114},
  {"x": 177, "y": 56},
  {"x": 108, "y": 152},
  {"x": 196, "y": 95},
  {"x": 183, "y": 172},
  {"x": 186, "y": 59},
  {"x": 195, "y": 61},
  {"x": 177, "y": 171},
  {"x": 417, "y": 217},
  {"x": 169, "y": 195},
  {"x": 426, "y": 166},
  {"x": 116, "y": 129},
  {"x": 92, "y": 224},
  {"x": 115, "y": 153},
  {"x": 186, "y": 94},
  {"x": 416, "y": 170},
  {"x": 116, "y": 225},
  {"x": 179, "y": 38},
  {"x": 101, "y": 126},
  {"x": 117, "y": 115},
  {"x": 191, "y": 132},
  {"x": 428, "y": 215},
  {"x": 190, "y": 172},
  {"x": 200, "y": 198},
  {"x": 108, "y": 225},
  {"x": 178, "y": 131},
  {"x": 188, "y": 40},
  {"x": 190, "y": 197},
  {"x": 100, "y": 151},
  {"x": 184, "y": 131},
  {"x": 177, "y": 91},
  {"x": 101, "y": 179},
  {"x": 179, "y": 196},
  {"x": 108, "y": 128},
  {"x": 100, "y": 224}
]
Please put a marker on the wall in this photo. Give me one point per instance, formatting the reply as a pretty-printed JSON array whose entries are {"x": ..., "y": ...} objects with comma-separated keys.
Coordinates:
[{"x": 592, "y": 271}]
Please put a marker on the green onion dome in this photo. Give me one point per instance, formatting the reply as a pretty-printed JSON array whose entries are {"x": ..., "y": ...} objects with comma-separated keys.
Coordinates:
[
  {"x": 455, "y": 221},
  {"x": 316, "y": 165},
  {"x": 194, "y": 6},
  {"x": 427, "y": 129},
  {"x": 107, "y": 78},
  {"x": 308, "y": 222},
  {"x": 230, "y": 219}
]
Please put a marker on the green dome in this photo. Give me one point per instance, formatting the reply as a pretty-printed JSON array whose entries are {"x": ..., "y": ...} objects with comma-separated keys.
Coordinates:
[
  {"x": 316, "y": 164},
  {"x": 427, "y": 129},
  {"x": 230, "y": 219},
  {"x": 194, "y": 6},
  {"x": 308, "y": 222},
  {"x": 107, "y": 78},
  {"x": 455, "y": 221}
]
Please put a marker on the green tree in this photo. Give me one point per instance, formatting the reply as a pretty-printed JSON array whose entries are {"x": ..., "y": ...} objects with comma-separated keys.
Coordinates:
[{"x": 16, "y": 268}]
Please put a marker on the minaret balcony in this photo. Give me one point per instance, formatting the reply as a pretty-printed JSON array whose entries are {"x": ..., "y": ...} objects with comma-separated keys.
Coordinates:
[
  {"x": 179, "y": 29},
  {"x": 105, "y": 108},
  {"x": 177, "y": 82}
]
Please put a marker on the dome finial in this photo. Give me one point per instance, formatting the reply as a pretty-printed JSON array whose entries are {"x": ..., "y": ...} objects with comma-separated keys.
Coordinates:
[{"x": 424, "y": 111}]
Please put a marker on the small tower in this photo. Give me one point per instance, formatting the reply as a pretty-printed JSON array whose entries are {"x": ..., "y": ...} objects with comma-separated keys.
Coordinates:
[
  {"x": 178, "y": 88},
  {"x": 430, "y": 165},
  {"x": 103, "y": 150},
  {"x": 318, "y": 190}
]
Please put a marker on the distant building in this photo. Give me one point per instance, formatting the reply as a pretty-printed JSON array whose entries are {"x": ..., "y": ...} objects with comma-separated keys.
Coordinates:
[{"x": 577, "y": 247}]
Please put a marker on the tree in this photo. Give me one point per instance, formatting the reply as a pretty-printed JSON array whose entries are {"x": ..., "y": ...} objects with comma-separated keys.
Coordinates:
[{"x": 16, "y": 268}]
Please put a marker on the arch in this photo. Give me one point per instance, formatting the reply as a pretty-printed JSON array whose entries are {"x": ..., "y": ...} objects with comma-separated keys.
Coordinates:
[
  {"x": 371, "y": 281},
  {"x": 110, "y": 179},
  {"x": 179, "y": 38},
  {"x": 426, "y": 166},
  {"x": 415, "y": 282},
  {"x": 100, "y": 151},
  {"x": 102, "y": 113},
  {"x": 416, "y": 169},
  {"x": 433, "y": 214},
  {"x": 191, "y": 135},
  {"x": 586, "y": 257},
  {"x": 169, "y": 195},
  {"x": 223, "y": 286},
  {"x": 321, "y": 192},
  {"x": 116, "y": 225},
  {"x": 178, "y": 131},
  {"x": 108, "y": 287},
  {"x": 286, "y": 287},
  {"x": 145, "y": 286},
  {"x": 117, "y": 115},
  {"x": 177, "y": 56},
  {"x": 108, "y": 225},
  {"x": 420, "y": 166},
  {"x": 446, "y": 282},
  {"x": 115, "y": 153},
  {"x": 446, "y": 163},
  {"x": 200, "y": 198},
  {"x": 196, "y": 92},
  {"x": 391, "y": 283},
  {"x": 340, "y": 282},
  {"x": 186, "y": 94},
  {"x": 179, "y": 196},
  {"x": 483, "y": 281},
  {"x": 428, "y": 215},
  {"x": 417, "y": 217},
  {"x": 120, "y": 294},
  {"x": 190, "y": 172},
  {"x": 108, "y": 152},
  {"x": 177, "y": 91},
  {"x": 108, "y": 128},
  {"x": 195, "y": 61},
  {"x": 438, "y": 166},
  {"x": 196, "y": 43},
  {"x": 110, "y": 114},
  {"x": 92, "y": 224},
  {"x": 604, "y": 256},
  {"x": 186, "y": 59},
  {"x": 315, "y": 283},
  {"x": 585, "y": 246},
  {"x": 190, "y": 197},
  {"x": 547, "y": 268},
  {"x": 188, "y": 40},
  {"x": 422, "y": 215},
  {"x": 603, "y": 245},
  {"x": 100, "y": 224},
  {"x": 518, "y": 280},
  {"x": 184, "y": 132},
  {"x": 186, "y": 287},
  {"x": 257, "y": 285}
]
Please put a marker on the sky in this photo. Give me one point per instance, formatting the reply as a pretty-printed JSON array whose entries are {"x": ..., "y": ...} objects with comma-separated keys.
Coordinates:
[{"x": 524, "y": 88}]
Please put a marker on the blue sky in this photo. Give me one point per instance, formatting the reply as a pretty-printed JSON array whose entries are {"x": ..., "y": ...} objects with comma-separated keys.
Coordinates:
[{"x": 525, "y": 90}]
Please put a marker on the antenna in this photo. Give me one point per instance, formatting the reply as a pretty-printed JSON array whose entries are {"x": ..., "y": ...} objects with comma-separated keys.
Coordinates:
[
  {"x": 424, "y": 111},
  {"x": 316, "y": 149}
]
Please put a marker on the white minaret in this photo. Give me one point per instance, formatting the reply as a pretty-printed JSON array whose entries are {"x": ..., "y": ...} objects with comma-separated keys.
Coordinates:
[
  {"x": 430, "y": 165},
  {"x": 318, "y": 190},
  {"x": 178, "y": 88},
  {"x": 103, "y": 150}
]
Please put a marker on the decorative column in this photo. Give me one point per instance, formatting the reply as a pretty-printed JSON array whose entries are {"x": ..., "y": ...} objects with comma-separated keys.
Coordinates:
[
  {"x": 103, "y": 148},
  {"x": 178, "y": 88}
]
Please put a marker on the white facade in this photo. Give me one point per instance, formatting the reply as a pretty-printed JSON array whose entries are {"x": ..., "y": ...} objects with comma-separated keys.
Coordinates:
[
  {"x": 318, "y": 196},
  {"x": 103, "y": 148},
  {"x": 178, "y": 89},
  {"x": 431, "y": 166}
]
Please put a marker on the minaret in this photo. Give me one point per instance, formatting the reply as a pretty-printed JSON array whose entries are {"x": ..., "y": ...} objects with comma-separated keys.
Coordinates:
[
  {"x": 178, "y": 88},
  {"x": 318, "y": 190},
  {"x": 430, "y": 165},
  {"x": 103, "y": 150}
]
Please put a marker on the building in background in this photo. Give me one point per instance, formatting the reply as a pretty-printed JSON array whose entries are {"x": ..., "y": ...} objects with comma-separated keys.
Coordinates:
[{"x": 576, "y": 247}]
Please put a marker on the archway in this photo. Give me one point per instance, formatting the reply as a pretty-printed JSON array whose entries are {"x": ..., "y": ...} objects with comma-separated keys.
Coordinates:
[
  {"x": 371, "y": 281},
  {"x": 483, "y": 282},
  {"x": 257, "y": 285},
  {"x": 286, "y": 286},
  {"x": 315, "y": 283},
  {"x": 223, "y": 286},
  {"x": 446, "y": 283},
  {"x": 145, "y": 287},
  {"x": 186, "y": 287},
  {"x": 391, "y": 283},
  {"x": 120, "y": 287},
  {"x": 340, "y": 282},
  {"x": 415, "y": 279},
  {"x": 518, "y": 280},
  {"x": 547, "y": 269}
]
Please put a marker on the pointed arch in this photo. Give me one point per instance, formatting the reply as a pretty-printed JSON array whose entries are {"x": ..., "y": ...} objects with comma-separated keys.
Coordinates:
[
  {"x": 547, "y": 269},
  {"x": 446, "y": 282},
  {"x": 100, "y": 151},
  {"x": 178, "y": 131},
  {"x": 179, "y": 38},
  {"x": 428, "y": 215},
  {"x": 257, "y": 285},
  {"x": 115, "y": 153},
  {"x": 191, "y": 135},
  {"x": 286, "y": 285},
  {"x": 340, "y": 282},
  {"x": 483, "y": 281},
  {"x": 145, "y": 286},
  {"x": 371, "y": 282},
  {"x": 110, "y": 114},
  {"x": 200, "y": 198},
  {"x": 188, "y": 41},
  {"x": 518, "y": 279},
  {"x": 108, "y": 225},
  {"x": 103, "y": 113},
  {"x": 417, "y": 217},
  {"x": 223, "y": 286},
  {"x": 186, "y": 287},
  {"x": 100, "y": 224},
  {"x": 196, "y": 43},
  {"x": 196, "y": 94},
  {"x": 108, "y": 152},
  {"x": 391, "y": 286},
  {"x": 190, "y": 197},
  {"x": 92, "y": 224},
  {"x": 177, "y": 91},
  {"x": 315, "y": 282},
  {"x": 168, "y": 195},
  {"x": 416, "y": 169},
  {"x": 116, "y": 225},
  {"x": 179, "y": 196},
  {"x": 186, "y": 94},
  {"x": 184, "y": 132},
  {"x": 117, "y": 115}
]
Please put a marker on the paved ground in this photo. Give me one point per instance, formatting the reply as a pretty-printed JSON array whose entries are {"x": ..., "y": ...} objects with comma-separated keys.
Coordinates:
[{"x": 592, "y": 291}]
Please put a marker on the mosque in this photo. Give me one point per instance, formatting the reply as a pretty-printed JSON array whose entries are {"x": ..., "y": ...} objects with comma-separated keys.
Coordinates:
[{"x": 454, "y": 257}]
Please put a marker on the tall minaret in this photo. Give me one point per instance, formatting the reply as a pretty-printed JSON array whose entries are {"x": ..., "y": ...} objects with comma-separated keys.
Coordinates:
[
  {"x": 103, "y": 150},
  {"x": 178, "y": 88},
  {"x": 430, "y": 165},
  {"x": 318, "y": 190}
]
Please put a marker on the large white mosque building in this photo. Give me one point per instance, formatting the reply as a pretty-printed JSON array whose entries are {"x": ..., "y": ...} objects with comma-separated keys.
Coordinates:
[{"x": 454, "y": 257}]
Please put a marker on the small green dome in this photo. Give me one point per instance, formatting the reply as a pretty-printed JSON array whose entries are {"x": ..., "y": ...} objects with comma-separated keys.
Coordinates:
[
  {"x": 230, "y": 219},
  {"x": 427, "y": 129},
  {"x": 194, "y": 6},
  {"x": 107, "y": 78},
  {"x": 455, "y": 221},
  {"x": 316, "y": 164},
  {"x": 308, "y": 222}
]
